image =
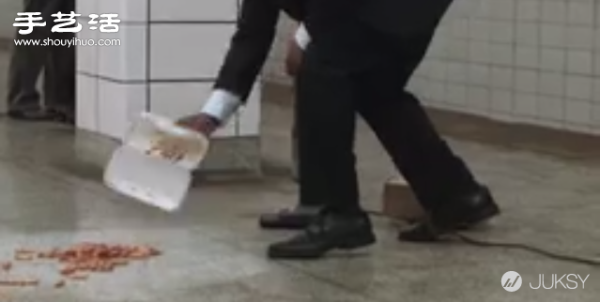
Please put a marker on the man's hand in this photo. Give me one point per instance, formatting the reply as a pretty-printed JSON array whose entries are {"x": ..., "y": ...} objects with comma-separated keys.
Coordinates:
[{"x": 200, "y": 122}]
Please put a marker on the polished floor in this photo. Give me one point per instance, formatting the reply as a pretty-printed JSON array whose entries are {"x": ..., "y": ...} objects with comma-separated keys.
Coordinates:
[{"x": 52, "y": 195}]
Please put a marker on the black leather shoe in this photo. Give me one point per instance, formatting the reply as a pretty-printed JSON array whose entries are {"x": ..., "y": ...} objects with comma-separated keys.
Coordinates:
[
  {"x": 297, "y": 218},
  {"x": 327, "y": 233},
  {"x": 460, "y": 215},
  {"x": 62, "y": 116},
  {"x": 31, "y": 115}
]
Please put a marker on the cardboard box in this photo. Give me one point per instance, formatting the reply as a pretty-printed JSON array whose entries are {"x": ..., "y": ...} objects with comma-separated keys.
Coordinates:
[{"x": 399, "y": 201}]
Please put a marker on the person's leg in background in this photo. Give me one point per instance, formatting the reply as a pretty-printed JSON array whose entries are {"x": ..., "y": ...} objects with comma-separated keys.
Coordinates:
[
  {"x": 26, "y": 65},
  {"x": 440, "y": 179},
  {"x": 59, "y": 79},
  {"x": 307, "y": 209}
]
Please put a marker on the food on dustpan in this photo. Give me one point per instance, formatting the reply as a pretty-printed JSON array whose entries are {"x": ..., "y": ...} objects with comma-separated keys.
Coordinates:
[{"x": 174, "y": 148}]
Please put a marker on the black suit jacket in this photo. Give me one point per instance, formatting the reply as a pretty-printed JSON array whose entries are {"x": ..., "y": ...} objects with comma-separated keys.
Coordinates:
[
  {"x": 257, "y": 24},
  {"x": 404, "y": 18},
  {"x": 250, "y": 45}
]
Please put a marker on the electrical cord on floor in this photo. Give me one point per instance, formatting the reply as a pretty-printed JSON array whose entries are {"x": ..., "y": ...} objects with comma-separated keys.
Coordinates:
[{"x": 511, "y": 245}]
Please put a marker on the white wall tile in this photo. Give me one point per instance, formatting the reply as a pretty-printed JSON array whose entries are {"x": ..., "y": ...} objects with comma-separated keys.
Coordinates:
[
  {"x": 118, "y": 106},
  {"x": 502, "y": 54},
  {"x": 528, "y": 10},
  {"x": 526, "y": 104},
  {"x": 87, "y": 102},
  {"x": 188, "y": 51},
  {"x": 579, "y": 37},
  {"x": 580, "y": 62},
  {"x": 479, "y": 52},
  {"x": 457, "y": 72},
  {"x": 579, "y": 87},
  {"x": 87, "y": 56},
  {"x": 502, "y": 101},
  {"x": 479, "y": 74},
  {"x": 128, "y": 11},
  {"x": 87, "y": 7},
  {"x": 478, "y": 99},
  {"x": 526, "y": 81},
  {"x": 175, "y": 100},
  {"x": 249, "y": 119},
  {"x": 527, "y": 34},
  {"x": 553, "y": 35},
  {"x": 502, "y": 32},
  {"x": 581, "y": 12},
  {"x": 553, "y": 59},
  {"x": 456, "y": 95},
  {"x": 502, "y": 77},
  {"x": 595, "y": 119},
  {"x": 126, "y": 61},
  {"x": 527, "y": 57},
  {"x": 551, "y": 108},
  {"x": 578, "y": 112},
  {"x": 552, "y": 84},
  {"x": 205, "y": 10},
  {"x": 554, "y": 11},
  {"x": 596, "y": 91},
  {"x": 502, "y": 10}
]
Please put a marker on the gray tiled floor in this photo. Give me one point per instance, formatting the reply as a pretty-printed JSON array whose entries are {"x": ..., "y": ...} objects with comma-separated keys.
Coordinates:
[{"x": 52, "y": 195}]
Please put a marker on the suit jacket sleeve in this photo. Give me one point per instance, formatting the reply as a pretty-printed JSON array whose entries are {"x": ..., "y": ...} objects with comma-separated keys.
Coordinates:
[{"x": 249, "y": 47}]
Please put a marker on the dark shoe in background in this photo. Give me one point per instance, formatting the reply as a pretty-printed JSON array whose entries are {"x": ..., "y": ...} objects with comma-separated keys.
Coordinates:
[
  {"x": 329, "y": 232},
  {"x": 461, "y": 214},
  {"x": 63, "y": 116},
  {"x": 37, "y": 115},
  {"x": 296, "y": 218}
]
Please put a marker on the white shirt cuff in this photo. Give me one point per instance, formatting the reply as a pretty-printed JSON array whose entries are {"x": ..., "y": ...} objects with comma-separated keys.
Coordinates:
[
  {"x": 222, "y": 105},
  {"x": 302, "y": 37}
]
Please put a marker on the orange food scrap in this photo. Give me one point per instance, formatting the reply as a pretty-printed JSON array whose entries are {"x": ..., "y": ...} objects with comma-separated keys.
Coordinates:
[
  {"x": 79, "y": 260},
  {"x": 6, "y": 266}
]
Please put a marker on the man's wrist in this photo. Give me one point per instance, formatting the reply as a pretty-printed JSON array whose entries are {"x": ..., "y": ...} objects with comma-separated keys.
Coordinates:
[{"x": 221, "y": 106}]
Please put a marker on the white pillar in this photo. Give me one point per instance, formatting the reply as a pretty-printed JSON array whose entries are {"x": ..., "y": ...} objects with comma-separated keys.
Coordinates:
[{"x": 169, "y": 54}]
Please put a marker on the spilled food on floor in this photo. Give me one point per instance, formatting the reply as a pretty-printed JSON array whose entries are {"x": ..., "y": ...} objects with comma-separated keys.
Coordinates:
[{"x": 75, "y": 263}]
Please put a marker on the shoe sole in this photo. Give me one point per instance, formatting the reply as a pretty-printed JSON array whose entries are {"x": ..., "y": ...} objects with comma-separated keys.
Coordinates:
[
  {"x": 481, "y": 217},
  {"x": 468, "y": 224},
  {"x": 283, "y": 226},
  {"x": 354, "y": 242}
]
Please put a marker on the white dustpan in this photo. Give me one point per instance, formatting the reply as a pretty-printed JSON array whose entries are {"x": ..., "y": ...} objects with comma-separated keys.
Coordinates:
[{"x": 137, "y": 169}]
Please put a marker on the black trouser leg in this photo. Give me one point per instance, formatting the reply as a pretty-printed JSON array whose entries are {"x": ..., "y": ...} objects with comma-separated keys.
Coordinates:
[
  {"x": 60, "y": 78},
  {"x": 325, "y": 123},
  {"x": 28, "y": 61},
  {"x": 400, "y": 122},
  {"x": 60, "y": 70}
]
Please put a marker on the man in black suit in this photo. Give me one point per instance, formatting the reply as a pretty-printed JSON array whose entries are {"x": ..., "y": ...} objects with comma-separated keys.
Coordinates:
[
  {"x": 361, "y": 56},
  {"x": 57, "y": 62}
]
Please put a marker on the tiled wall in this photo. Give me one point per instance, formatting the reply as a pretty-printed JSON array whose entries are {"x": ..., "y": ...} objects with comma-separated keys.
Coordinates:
[
  {"x": 532, "y": 61},
  {"x": 169, "y": 55}
]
